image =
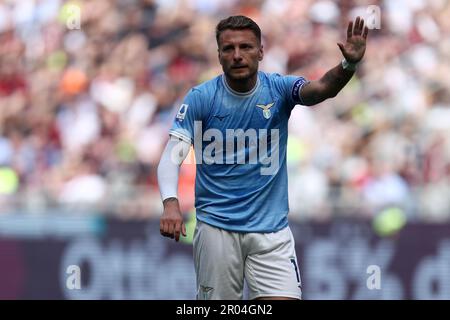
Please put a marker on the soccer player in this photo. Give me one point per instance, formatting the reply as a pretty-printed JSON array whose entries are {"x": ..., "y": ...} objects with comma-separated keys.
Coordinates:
[{"x": 238, "y": 124}]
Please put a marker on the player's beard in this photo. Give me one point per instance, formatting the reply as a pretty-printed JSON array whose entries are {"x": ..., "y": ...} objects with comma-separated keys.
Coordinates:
[{"x": 241, "y": 77}]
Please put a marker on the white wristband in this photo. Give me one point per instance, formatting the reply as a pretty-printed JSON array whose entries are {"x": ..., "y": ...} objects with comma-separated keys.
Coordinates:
[{"x": 348, "y": 65}]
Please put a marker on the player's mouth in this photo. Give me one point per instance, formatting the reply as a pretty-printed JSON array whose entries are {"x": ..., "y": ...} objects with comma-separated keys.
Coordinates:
[{"x": 238, "y": 67}]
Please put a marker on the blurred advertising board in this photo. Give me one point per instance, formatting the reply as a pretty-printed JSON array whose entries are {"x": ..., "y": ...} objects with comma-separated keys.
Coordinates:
[{"x": 93, "y": 257}]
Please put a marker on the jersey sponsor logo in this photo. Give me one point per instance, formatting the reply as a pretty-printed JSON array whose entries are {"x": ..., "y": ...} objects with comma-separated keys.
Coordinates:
[
  {"x": 182, "y": 112},
  {"x": 266, "y": 109},
  {"x": 295, "y": 89},
  {"x": 238, "y": 146}
]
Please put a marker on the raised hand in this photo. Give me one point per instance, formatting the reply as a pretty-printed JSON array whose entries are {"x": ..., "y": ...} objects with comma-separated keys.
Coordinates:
[{"x": 355, "y": 45}]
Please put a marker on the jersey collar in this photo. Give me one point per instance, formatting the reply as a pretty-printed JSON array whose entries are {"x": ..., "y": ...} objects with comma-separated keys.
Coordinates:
[{"x": 241, "y": 94}]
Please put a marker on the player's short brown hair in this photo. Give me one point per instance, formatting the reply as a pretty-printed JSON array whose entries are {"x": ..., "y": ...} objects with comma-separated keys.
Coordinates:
[{"x": 238, "y": 23}]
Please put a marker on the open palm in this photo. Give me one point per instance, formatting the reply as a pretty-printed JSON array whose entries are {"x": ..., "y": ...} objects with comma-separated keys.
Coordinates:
[{"x": 355, "y": 46}]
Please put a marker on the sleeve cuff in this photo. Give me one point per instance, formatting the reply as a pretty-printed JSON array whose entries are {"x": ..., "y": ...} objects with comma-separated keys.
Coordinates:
[{"x": 180, "y": 136}]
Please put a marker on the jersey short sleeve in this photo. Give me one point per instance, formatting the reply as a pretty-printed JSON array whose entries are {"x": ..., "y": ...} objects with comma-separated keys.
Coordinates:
[
  {"x": 290, "y": 86},
  {"x": 188, "y": 113}
]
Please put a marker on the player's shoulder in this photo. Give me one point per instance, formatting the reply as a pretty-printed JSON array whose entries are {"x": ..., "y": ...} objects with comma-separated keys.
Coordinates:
[
  {"x": 282, "y": 82},
  {"x": 275, "y": 77},
  {"x": 206, "y": 88},
  {"x": 273, "y": 81},
  {"x": 270, "y": 76}
]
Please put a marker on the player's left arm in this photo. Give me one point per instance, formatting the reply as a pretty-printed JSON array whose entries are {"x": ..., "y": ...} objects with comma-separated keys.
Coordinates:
[{"x": 335, "y": 79}]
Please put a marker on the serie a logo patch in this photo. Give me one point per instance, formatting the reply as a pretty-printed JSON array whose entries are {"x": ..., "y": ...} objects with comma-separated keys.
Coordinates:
[{"x": 182, "y": 112}]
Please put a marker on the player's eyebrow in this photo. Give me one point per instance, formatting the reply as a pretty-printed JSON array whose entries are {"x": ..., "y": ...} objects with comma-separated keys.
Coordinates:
[
  {"x": 241, "y": 45},
  {"x": 227, "y": 46}
]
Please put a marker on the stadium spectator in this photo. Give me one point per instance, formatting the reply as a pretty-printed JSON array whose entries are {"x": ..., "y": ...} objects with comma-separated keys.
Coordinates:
[{"x": 109, "y": 91}]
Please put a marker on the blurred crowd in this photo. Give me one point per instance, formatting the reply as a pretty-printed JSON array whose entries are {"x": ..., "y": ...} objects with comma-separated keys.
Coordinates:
[{"x": 89, "y": 90}]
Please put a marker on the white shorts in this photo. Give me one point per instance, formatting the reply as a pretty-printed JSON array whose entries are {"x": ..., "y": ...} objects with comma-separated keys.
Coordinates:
[{"x": 223, "y": 259}]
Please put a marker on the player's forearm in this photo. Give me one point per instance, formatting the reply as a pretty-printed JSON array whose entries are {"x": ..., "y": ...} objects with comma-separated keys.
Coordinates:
[
  {"x": 168, "y": 179},
  {"x": 327, "y": 87},
  {"x": 336, "y": 79},
  {"x": 169, "y": 168}
]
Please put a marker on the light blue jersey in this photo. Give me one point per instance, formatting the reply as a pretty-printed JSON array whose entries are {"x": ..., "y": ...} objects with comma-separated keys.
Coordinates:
[{"x": 240, "y": 142}]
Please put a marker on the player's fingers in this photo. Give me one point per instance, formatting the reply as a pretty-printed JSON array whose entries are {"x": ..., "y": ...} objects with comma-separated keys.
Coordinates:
[
  {"x": 349, "y": 29},
  {"x": 167, "y": 230},
  {"x": 356, "y": 28},
  {"x": 341, "y": 47},
  {"x": 164, "y": 228},
  {"x": 170, "y": 229},
  {"x": 177, "y": 231},
  {"x": 183, "y": 229},
  {"x": 161, "y": 227},
  {"x": 361, "y": 26},
  {"x": 366, "y": 31}
]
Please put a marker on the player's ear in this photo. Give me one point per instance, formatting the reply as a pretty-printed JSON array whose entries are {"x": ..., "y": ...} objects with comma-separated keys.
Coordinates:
[{"x": 261, "y": 53}]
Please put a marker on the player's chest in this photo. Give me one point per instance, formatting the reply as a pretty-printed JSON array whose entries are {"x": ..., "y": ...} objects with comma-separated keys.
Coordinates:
[{"x": 256, "y": 112}]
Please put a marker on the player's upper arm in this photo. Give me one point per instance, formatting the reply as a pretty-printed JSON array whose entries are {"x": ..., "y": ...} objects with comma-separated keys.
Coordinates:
[
  {"x": 189, "y": 113},
  {"x": 289, "y": 87},
  {"x": 176, "y": 151}
]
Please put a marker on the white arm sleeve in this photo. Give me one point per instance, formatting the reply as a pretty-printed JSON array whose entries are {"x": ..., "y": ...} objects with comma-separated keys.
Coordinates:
[{"x": 169, "y": 166}]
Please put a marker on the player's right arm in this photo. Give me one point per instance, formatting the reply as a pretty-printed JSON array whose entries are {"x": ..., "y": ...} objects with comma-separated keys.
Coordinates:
[
  {"x": 171, "y": 222},
  {"x": 182, "y": 136}
]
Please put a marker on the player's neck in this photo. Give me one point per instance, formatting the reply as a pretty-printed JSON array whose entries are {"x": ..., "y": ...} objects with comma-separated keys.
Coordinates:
[{"x": 242, "y": 85}]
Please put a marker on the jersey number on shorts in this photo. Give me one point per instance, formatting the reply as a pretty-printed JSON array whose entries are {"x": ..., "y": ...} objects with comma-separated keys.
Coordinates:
[{"x": 296, "y": 269}]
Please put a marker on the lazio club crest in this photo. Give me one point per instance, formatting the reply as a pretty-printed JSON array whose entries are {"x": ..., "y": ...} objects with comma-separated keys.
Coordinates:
[{"x": 266, "y": 109}]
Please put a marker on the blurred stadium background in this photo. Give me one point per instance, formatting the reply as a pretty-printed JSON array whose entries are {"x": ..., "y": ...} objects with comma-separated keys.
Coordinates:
[{"x": 85, "y": 107}]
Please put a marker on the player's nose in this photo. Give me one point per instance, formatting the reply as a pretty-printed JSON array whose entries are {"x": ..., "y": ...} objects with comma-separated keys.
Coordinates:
[{"x": 237, "y": 55}]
